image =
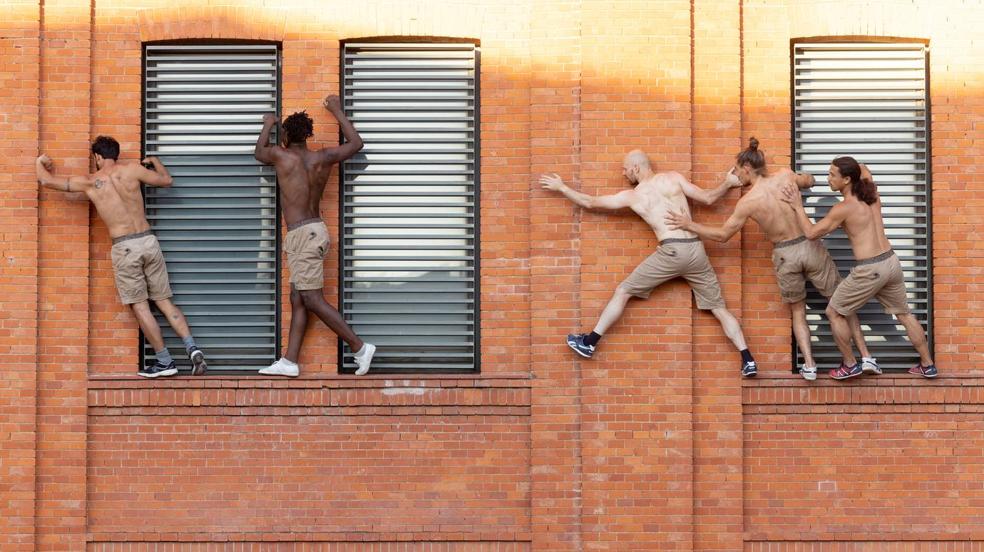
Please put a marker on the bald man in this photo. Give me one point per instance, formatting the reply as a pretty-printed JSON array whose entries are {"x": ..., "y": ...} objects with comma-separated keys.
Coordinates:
[{"x": 679, "y": 255}]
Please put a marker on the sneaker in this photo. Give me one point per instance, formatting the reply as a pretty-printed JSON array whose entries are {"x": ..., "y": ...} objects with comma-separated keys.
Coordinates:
[
  {"x": 198, "y": 365},
  {"x": 576, "y": 342},
  {"x": 924, "y": 371},
  {"x": 281, "y": 368},
  {"x": 870, "y": 366},
  {"x": 158, "y": 370},
  {"x": 363, "y": 360},
  {"x": 809, "y": 373},
  {"x": 749, "y": 369},
  {"x": 846, "y": 372}
]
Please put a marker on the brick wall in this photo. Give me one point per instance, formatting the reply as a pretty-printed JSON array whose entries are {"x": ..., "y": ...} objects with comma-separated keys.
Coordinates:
[{"x": 654, "y": 445}]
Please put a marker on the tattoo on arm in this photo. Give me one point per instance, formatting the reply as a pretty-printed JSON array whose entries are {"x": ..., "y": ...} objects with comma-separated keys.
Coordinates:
[{"x": 99, "y": 183}]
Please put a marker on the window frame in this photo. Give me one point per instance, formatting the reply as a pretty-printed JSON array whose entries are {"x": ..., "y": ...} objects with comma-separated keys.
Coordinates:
[
  {"x": 476, "y": 214},
  {"x": 928, "y": 260}
]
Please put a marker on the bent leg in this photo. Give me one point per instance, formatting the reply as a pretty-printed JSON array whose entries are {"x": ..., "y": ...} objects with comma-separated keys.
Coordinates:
[
  {"x": 857, "y": 336},
  {"x": 842, "y": 335},
  {"x": 731, "y": 327},
  {"x": 315, "y": 302},
  {"x": 298, "y": 325}
]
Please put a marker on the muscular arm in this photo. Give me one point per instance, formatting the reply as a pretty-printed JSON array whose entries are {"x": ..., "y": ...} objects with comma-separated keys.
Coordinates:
[
  {"x": 264, "y": 152},
  {"x": 158, "y": 177},
  {"x": 606, "y": 202},
  {"x": 825, "y": 226},
  {"x": 709, "y": 197},
  {"x": 353, "y": 142},
  {"x": 44, "y": 166},
  {"x": 721, "y": 234}
]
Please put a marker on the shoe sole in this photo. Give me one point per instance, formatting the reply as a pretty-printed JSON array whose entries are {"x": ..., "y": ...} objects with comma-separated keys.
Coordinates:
[
  {"x": 279, "y": 374},
  {"x": 927, "y": 376},
  {"x": 163, "y": 373},
  {"x": 752, "y": 375},
  {"x": 199, "y": 366},
  {"x": 871, "y": 371},
  {"x": 809, "y": 377},
  {"x": 846, "y": 377},
  {"x": 576, "y": 350}
]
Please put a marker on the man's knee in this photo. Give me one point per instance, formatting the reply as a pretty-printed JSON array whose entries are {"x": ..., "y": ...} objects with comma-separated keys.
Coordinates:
[
  {"x": 311, "y": 297},
  {"x": 832, "y": 313},
  {"x": 141, "y": 308}
]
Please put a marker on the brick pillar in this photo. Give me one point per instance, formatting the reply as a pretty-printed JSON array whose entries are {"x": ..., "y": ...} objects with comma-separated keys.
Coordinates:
[
  {"x": 555, "y": 50},
  {"x": 63, "y": 279},
  {"x": 716, "y": 127},
  {"x": 19, "y": 39}
]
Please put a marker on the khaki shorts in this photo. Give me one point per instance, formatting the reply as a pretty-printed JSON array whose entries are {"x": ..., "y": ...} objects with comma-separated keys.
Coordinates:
[
  {"x": 686, "y": 260},
  {"x": 800, "y": 260},
  {"x": 879, "y": 277},
  {"x": 306, "y": 246},
  {"x": 138, "y": 265}
]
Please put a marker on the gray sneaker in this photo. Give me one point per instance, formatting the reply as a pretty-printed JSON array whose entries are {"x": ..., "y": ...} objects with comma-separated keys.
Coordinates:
[
  {"x": 870, "y": 366},
  {"x": 809, "y": 373}
]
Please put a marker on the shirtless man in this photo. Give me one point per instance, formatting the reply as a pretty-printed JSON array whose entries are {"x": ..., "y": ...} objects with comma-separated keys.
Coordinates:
[
  {"x": 878, "y": 272},
  {"x": 794, "y": 257},
  {"x": 138, "y": 263},
  {"x": 302, "y": 174},
  {"x": 680, "y": 253}
]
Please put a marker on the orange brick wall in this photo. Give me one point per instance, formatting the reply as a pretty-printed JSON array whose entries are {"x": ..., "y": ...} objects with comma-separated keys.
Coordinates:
[{"x": 654, "y": 445}]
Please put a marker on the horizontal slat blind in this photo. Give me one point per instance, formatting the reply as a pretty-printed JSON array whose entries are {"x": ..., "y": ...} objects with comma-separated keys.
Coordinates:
[
  {"x": 217, "y": 224},
  {"x": 409, "y": 205},
  {"x": 869, "y": 101}
]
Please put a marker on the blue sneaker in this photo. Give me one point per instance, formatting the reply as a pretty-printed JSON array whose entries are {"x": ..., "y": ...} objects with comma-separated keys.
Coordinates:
[
  {"x": 577, "y": 343},
  {"x": 749, "y": 370},
  {"x": 845, "y": 372},
  {"x": 924, "y": 371},
  {"x": 158, "y": 370}
]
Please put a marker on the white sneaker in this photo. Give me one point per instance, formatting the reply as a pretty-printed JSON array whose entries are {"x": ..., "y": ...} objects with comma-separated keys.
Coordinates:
[
  {"x": 870, "y": 366},
  {"x": 281, "y": 368},
  {"x": 364, "y": 357},
  {"x": 809, "y": 373}
]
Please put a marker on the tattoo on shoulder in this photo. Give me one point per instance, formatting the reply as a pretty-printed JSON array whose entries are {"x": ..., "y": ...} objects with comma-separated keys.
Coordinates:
[{"x": 99, "y": 183}]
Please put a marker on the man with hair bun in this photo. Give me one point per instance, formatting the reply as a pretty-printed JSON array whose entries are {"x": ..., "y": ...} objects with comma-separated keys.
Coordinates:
[
  {"x": 878, "y": 272},
  {"x": 301, "y": 178},
  {"x": 680, "y": 253},
  {"x": 795, "y": 258}
]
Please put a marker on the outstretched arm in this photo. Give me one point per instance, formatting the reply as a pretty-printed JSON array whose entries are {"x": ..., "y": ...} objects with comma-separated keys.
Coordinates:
[
  {"x": 607, "y": 202},
  {"x": 44, "y": 165},
  {"x": 721, "y": 234},
  {"x": 264, "y": 152},
  {"x": 709, "y": 197},
  {"x": 353, "y": 142},
  {"x": 158, "y": 177},
  {"x": 812, "y": 231}
]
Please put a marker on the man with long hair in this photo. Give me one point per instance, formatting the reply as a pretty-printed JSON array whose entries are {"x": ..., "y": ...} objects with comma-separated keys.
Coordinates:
[
  {"x": 795, "y": 258},
  {"x": 680, "y": 252},
  {"x": 138, "y": 263},
  {"x": 301, "y": 176},
  {"x": 878, "y": 272}
]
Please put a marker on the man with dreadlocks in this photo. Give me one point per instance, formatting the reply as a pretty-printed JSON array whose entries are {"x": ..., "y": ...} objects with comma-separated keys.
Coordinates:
[{"x": 302, "y": 175}]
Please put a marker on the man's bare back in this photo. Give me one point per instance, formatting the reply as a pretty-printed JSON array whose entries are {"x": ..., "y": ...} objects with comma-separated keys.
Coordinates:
[
  {"x": 763, "y": 203},
  {"x": 657, "y": 195},
  {"x": 114, "y": 189}
]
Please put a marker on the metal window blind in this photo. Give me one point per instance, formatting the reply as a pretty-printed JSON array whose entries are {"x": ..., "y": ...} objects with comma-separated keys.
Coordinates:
[
  {"x": 869, "y": 101},
  {"x": 217, "y": 224},
  {"x": 409, "y": 205}
]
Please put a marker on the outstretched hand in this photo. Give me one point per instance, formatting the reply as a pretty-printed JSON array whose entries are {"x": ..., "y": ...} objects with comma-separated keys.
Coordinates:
[
  {"x": 676, "y": 221},
  {"x": 46, "y": 162},
  {"x": 333, "y": 103},
  {"x": 551, "y": 182},
  {"x": 732, "y": 179}
]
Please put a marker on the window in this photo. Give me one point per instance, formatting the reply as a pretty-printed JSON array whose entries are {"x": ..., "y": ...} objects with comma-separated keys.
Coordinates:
[
  {"x": 869, "y": 100},
  {"x": 409, "y": 205},
  {"x": 217, "y": 225}
]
